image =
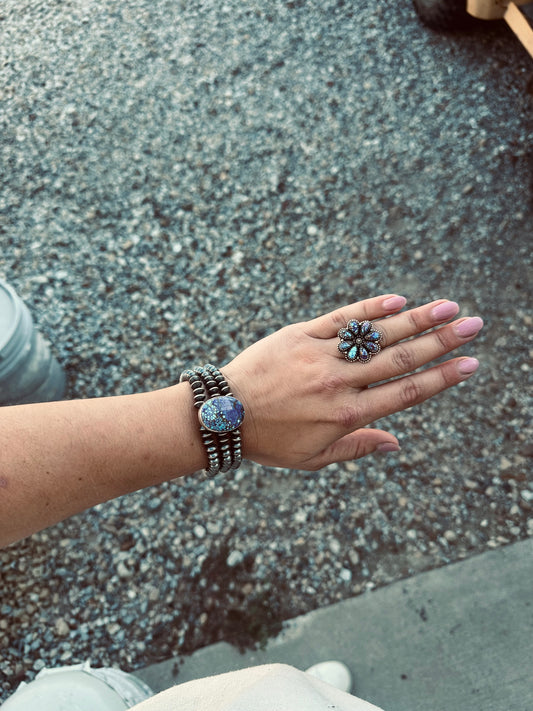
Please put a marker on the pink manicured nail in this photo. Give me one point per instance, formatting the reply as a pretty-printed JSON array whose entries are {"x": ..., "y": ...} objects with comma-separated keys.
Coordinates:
[
  {"x": 394, "y": 302},
  {"x": 388, "y": 447},
  {"x": 444, "y": 311},
  {"x": 468, "y": 366},
  {"x": 469, "y": 327}
]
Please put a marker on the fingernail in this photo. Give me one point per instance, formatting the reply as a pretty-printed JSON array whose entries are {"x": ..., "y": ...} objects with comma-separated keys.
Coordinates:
[
  {"x": 469, "y": 327},
  {"x": 444, "y": 311},
  {"x": 388, "y": 447},
  {"x": 468, "y": 365},
  {"x": 394, "y": 302}
]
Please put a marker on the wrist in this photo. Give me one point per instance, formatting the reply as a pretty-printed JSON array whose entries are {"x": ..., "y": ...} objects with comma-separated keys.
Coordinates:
[
  {"x": 236, "y": 380},
  {"x": 184, "y": 443}
]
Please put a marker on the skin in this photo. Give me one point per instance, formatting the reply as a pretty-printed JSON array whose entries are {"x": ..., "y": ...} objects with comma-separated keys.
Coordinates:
[
  {"x": 338, "y": 397},
  {"x": 306, "y": 407}
]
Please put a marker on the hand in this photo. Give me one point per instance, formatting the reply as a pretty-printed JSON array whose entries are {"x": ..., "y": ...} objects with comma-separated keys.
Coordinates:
[{"x": 306, "y": 406}]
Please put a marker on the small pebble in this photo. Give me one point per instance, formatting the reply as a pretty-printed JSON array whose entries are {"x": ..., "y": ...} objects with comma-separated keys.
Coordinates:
[
  {"x": 199, "y": 531},
  {"x": 234, "y": 558}
]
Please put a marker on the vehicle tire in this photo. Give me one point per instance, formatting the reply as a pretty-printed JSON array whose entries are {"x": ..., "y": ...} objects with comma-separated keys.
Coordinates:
[{"x": 443, "y": 14}]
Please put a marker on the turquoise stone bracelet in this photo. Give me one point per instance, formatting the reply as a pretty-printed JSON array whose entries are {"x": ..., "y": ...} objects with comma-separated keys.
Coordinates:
[{"x": 220, "y": 416}]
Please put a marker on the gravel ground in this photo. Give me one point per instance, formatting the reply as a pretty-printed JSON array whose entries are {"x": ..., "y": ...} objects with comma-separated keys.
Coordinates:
[{"x": 180, "y": 178}]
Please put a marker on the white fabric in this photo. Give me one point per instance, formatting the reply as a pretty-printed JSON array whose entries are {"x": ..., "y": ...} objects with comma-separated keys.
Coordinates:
[{"x": 271, "y": 687}]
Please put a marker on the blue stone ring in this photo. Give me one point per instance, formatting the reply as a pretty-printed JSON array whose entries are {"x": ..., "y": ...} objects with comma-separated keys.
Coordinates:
[{"x": 359, "y": 341}]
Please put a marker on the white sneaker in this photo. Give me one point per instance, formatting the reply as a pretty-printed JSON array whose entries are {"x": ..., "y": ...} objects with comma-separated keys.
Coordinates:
[{"x": 335, "y": 673}]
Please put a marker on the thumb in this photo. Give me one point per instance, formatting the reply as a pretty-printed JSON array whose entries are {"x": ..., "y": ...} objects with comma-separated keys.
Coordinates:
[{"x": 354, "y": 446}]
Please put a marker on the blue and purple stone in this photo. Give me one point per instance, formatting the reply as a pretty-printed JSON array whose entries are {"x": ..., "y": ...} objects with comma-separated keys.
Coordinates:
[{"x": 221, "y": 414}]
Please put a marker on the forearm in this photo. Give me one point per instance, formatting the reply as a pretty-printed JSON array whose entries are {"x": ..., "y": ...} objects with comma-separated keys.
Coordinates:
[{"x": 57, "y": 459}]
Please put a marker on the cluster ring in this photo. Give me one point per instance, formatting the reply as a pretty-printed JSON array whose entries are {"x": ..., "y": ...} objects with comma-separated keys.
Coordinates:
[{"x": 359, "y": 341}]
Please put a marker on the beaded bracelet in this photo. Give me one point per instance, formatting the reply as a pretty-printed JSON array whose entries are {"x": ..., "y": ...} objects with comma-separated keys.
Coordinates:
[{"x": 220, "y": 415}]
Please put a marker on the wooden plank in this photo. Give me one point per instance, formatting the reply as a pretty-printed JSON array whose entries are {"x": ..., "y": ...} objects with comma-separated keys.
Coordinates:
[
  {"x": 519, "y": 24},
  {"x": 486, "y": 9},
  {"x": 490, "y": 9}
]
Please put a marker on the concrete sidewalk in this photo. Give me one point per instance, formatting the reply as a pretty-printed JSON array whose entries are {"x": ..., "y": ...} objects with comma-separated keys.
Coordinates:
[{"x": 455, "y": 639}]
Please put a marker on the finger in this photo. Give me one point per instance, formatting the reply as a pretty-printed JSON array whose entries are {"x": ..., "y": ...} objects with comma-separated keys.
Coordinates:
[
  {"x": 403, "y": 358},
  {"x": 415, "y": 321},
  {"x": 401, "y": 326},
  {"x": 403, "y": 393},
  {"x": 354, "y": 446},
  {"x": 326, "y": 326}
]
